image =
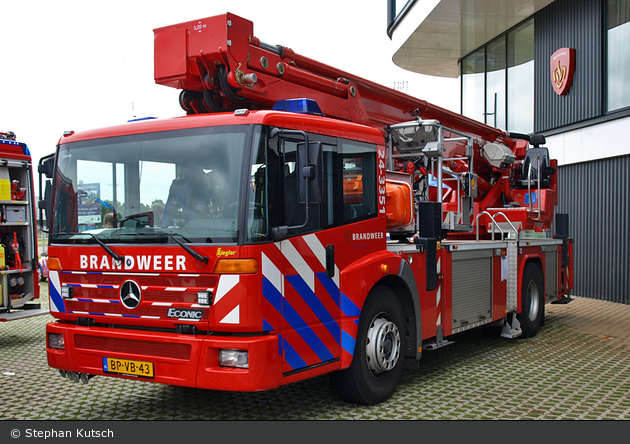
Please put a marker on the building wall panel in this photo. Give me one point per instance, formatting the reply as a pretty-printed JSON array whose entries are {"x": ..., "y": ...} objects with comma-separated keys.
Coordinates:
[
  {"x": 597, "y": 198},
  {"x": 578, "y": 25}
]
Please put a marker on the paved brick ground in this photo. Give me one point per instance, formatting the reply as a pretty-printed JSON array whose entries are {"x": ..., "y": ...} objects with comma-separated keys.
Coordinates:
[{"x": 577, "y": 367}]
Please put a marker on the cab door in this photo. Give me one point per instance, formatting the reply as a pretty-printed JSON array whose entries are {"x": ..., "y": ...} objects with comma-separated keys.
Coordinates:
[{"x": 310, "y": 295}]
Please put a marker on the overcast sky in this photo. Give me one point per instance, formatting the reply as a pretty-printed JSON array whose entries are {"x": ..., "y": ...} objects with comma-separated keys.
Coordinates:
[{"x": 75, "y": 65}]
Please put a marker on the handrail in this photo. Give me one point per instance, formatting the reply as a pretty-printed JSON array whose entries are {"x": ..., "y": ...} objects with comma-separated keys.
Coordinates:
[
  {"x": 509, "y": 222},
  {"x": 494, "y": 223},
  {"x": 529, "y": 185}
]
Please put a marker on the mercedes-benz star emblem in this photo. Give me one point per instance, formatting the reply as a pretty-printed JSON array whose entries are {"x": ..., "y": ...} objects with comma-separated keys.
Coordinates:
[{"x": 130, "y": 294}]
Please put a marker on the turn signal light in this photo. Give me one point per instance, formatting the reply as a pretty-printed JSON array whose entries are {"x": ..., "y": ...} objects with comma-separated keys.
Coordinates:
[
  {"x": 54, "y": 264},
  {"x": 236, "y": 266}
]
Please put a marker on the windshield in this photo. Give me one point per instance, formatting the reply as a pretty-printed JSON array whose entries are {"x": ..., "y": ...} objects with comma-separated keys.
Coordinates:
[{"x": 151, "y": 187}]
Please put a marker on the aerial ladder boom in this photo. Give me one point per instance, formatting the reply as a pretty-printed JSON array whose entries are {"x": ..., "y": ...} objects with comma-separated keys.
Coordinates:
[
  {"x": 221, "y": 56},
  {"x": 219, "y": 65}
]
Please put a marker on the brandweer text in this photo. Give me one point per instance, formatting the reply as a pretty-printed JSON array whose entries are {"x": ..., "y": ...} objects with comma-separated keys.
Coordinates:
[{"x": 141, "y": 262}]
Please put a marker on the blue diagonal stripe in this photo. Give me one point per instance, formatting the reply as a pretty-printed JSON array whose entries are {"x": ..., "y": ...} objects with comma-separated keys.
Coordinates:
[
  {"x": 309, "y": 336},
  {"x": 330, "y": 286},
  {"x": 292, "y": 357},
  {"x": 267, "y": 326},
  {"x": 315, "y": 304},
  {"x": 56, "y": 298},
  {"x": 272, "y": 294},
  {"x": 348, "y": 307},
  {"x": 347, "y": 342}
]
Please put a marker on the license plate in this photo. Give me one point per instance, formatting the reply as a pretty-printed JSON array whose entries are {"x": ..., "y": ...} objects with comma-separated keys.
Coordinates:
[{"x": 128, "y": 367}]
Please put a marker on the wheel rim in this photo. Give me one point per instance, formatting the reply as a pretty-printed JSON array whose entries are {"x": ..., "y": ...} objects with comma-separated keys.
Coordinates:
[
  {"x": 383, "y": 345},
  {"x": 533, "y": 297}
]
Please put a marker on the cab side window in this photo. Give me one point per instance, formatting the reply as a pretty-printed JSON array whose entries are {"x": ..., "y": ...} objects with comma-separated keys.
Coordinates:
[{"x": 359, "y": 181}]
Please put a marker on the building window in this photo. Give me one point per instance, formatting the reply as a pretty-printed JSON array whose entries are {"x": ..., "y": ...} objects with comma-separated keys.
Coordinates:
[
  {"x": 498, "y": 81},
  {"x": 520, "y": 79},
  {"x": 473, "y": 85},
  {"x": 396, "y": 11},
  {"x": 618, "y": 37},
  {"x": 495, "y": 81}
]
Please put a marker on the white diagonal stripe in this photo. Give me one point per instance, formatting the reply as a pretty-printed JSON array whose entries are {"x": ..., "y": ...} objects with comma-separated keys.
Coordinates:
[
  {"x": 320, "y": 252},
  {"x": 226, "y": 283},
  {"x": 271, "y": 272},
  {"x": 232, "y": 317},
  {"x": 297, "y": 261}
]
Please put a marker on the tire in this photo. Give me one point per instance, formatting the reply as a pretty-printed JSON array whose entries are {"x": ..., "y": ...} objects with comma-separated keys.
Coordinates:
[
  {"x": 532, "y": 301},
  {"x": 379, "y": 352}
]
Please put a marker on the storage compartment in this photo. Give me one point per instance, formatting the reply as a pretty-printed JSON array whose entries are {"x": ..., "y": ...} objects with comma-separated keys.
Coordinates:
[
  {"x": 472, "y": 289},
  {"x": 18, "y": 242},
  {"x": 14, "y": 214}
]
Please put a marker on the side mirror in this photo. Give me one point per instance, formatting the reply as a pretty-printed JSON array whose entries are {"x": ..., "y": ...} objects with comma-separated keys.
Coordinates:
[
  {"x": 47, "y": 166},
  {"x": 46, "y": 170},
  {"x": 279, "y": 233}
]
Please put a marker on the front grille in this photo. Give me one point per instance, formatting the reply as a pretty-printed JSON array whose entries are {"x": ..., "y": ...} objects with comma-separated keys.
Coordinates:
[
  {"x": 156, "y": 288},
  {"x": 163, "y": 280},
  {"x": 189, "y": 296},
  {"x": 119, "y": 309},
  {"x": 138, "y": 347}
]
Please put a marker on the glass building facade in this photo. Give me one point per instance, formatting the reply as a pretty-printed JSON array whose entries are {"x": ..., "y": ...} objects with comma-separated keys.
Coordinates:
[
  {"x": 618, "y": 54},
  {"x": 498, "y": 81}
]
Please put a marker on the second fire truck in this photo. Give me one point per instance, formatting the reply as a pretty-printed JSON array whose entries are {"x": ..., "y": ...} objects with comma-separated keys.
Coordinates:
[
  {"x": 19, "y": 270},
  {"x": 297, "y": 221}
]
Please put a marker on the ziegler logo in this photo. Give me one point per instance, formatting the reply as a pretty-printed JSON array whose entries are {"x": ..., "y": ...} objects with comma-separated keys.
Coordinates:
[
  {"x": 225, "y": 253},
  {"x": 184, "y": 313}
]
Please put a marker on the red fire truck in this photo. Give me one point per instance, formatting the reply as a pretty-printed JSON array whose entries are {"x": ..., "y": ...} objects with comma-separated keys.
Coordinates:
[
  {"x": 297, "y": 221},
  {"x": 19, "y": 272}
]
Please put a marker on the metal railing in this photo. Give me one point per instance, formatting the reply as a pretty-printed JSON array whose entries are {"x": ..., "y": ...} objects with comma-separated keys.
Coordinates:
[
  {"x": 494, "y": 223},
  {"x": 529, "y": 186}
]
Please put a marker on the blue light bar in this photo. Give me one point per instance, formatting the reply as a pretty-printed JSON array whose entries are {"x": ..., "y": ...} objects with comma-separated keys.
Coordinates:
[
  {"x": 140, "y": 119},
  {"x": 24, "y": 147},
  {"x": 302, "y": 106}
]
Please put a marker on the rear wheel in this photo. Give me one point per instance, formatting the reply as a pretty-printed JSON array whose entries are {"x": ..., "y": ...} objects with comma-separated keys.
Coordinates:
[
  {"x": 532, "y": 300},
  {"x": 379, "y": 352}
]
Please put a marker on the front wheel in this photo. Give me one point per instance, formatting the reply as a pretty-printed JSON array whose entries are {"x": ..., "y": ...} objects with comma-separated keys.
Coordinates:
[
  {"x": 532, "y": 300},
  {"x": 378, "y": 354}
]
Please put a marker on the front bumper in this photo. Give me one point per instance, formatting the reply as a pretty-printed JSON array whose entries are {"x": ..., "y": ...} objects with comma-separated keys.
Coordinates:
[{"x": 182, "y": 360}]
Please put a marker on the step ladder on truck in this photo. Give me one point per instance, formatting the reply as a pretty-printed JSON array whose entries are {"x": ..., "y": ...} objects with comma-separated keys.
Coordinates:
[
  {"x": 19, "y": 272},
  {"x": 313, "y": 222}
]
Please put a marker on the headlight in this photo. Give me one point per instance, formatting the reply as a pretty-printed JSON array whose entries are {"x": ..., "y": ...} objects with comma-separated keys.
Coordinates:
[
  {"x": 234, "y": 358},
  {"x": 55, "y": 341}
]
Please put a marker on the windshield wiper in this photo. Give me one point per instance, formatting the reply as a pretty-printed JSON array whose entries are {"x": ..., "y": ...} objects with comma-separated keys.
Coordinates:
[
  {"x": 111, "y": 252},
  {"x": 192, "y": 252}
]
